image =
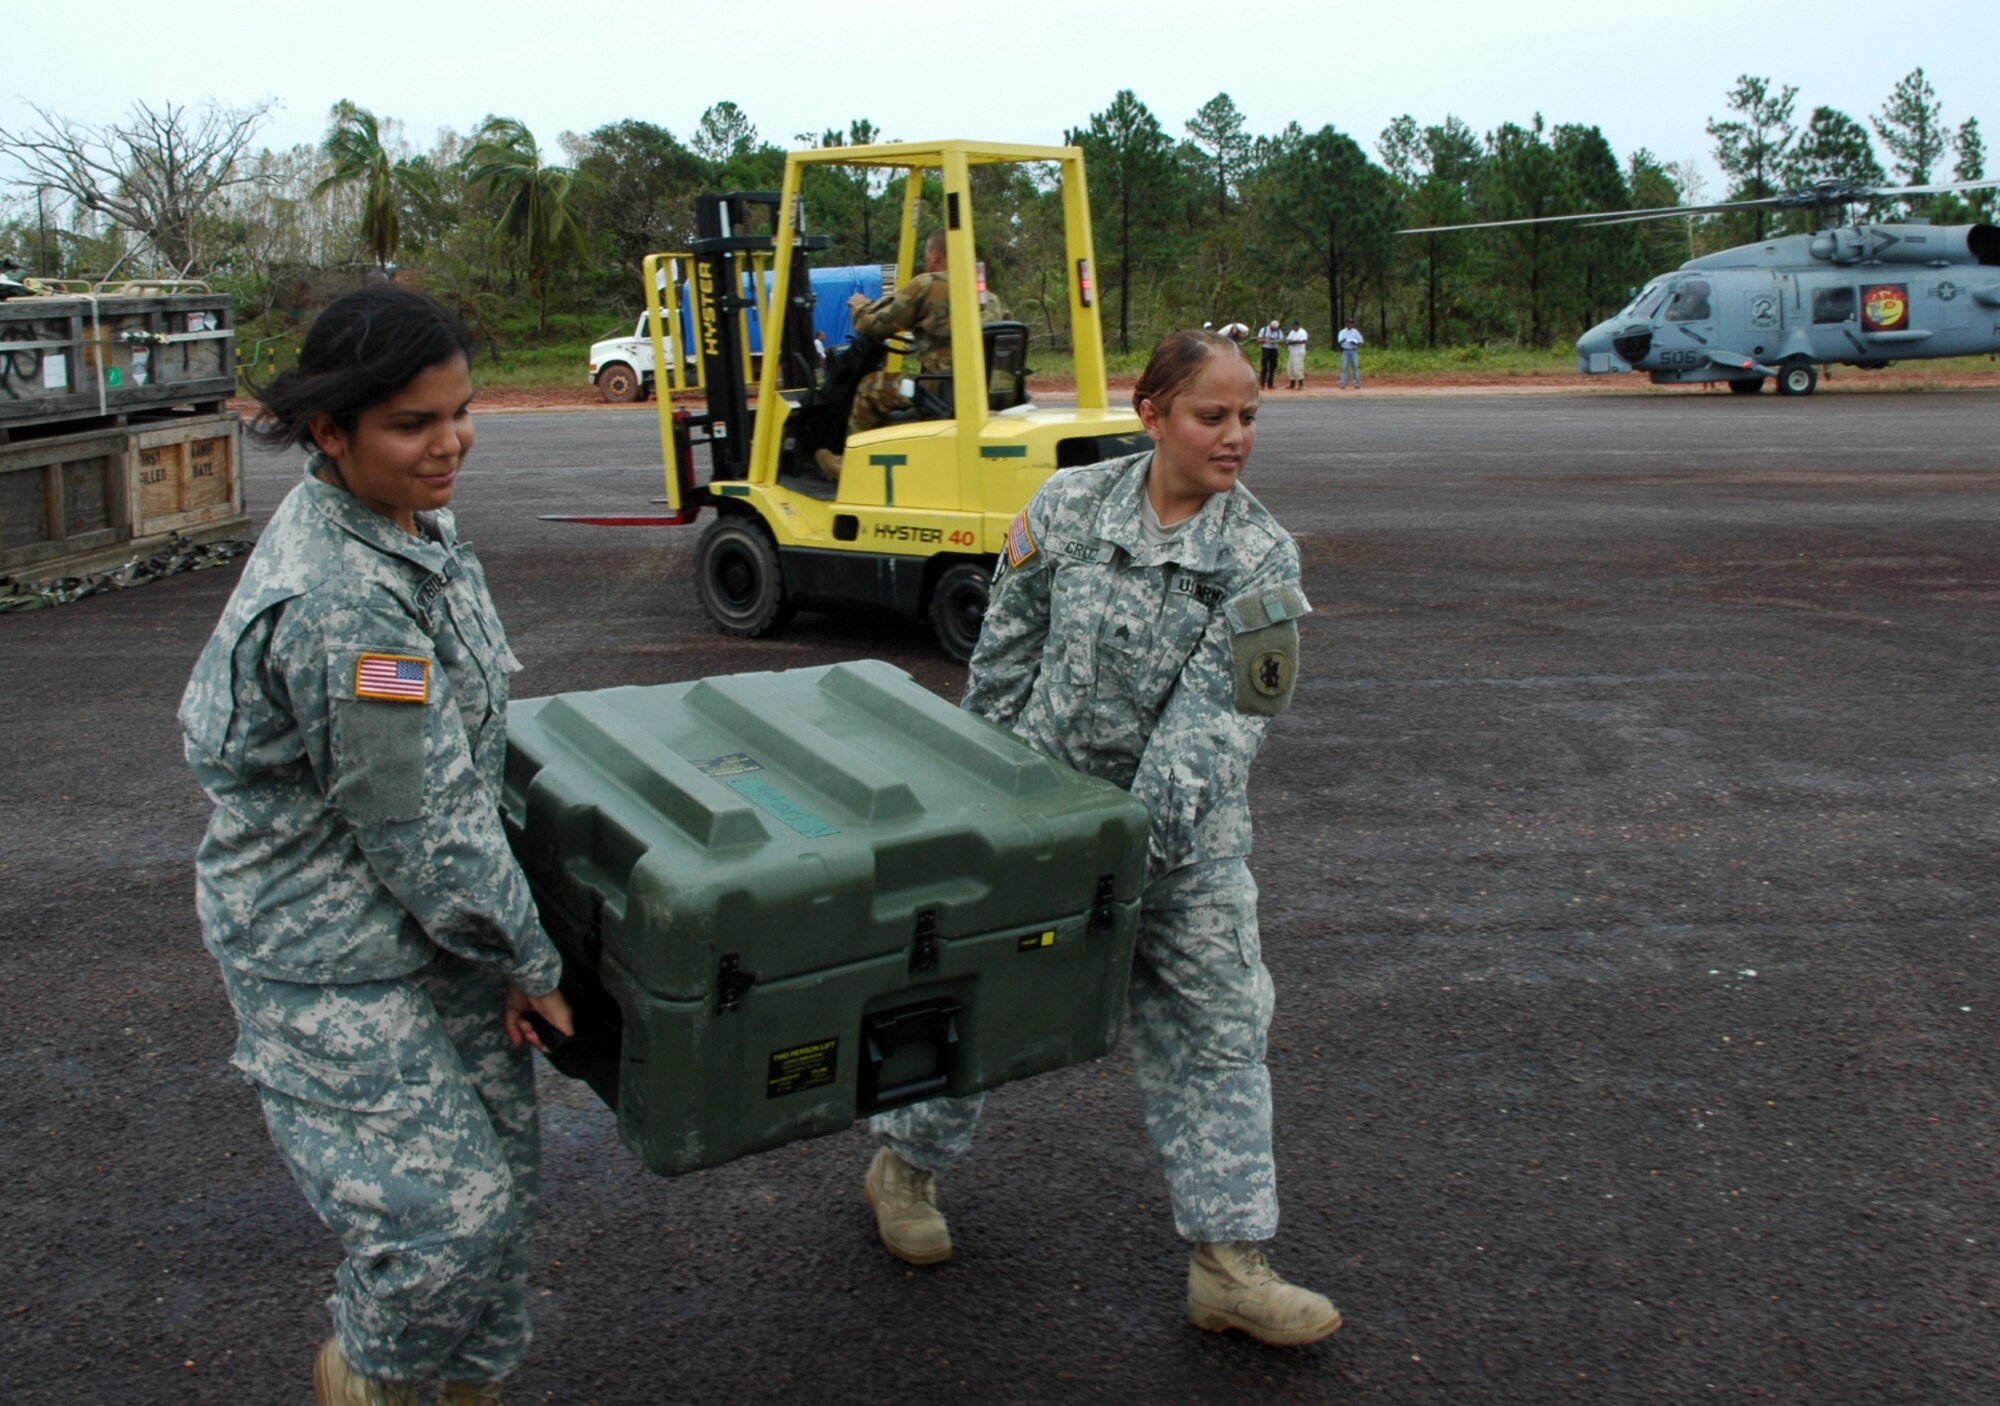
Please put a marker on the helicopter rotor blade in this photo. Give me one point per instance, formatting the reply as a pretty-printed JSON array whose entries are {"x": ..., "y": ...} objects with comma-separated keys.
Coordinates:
[
  {"x": 1937, "y": 188},
  {"x": 1663, "y": 211},
  {"x": 1821, "y": 196},
  {"x": 1658, "y": 212}
]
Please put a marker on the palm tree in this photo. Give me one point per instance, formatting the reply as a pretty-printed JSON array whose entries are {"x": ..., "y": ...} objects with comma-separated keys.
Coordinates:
[
  {"x": 354, "y": 145},
  {"x": 535, "y": 197}
]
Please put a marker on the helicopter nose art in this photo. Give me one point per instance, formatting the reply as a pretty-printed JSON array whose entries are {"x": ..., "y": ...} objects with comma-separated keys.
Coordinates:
[{"x": 1602, "y": 349}]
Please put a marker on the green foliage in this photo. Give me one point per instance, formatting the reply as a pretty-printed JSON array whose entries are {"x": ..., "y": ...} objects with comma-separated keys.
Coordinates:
[
  {"x": 1971, "y": 166},
  {"x": 636, "y": 197},
  {"x": 1224, "y": 143},
  {"x": 535, "y": 210},
  {"x": 1334, "y": 209},
  {"x": 1133, "y": 192},
  {"x": 724, "y": 133},
  {"x": 1218, "y": 224},
  {"x": 1833, "y": 147},
  {"x": 1751, "y": 148},
  {"x": 389, "y": 186},
  {"x": 1911, "y": 126}
]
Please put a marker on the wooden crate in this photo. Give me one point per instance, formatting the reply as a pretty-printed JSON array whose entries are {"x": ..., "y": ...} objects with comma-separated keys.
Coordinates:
[
  {"x": 79, "y": 357},
  {"x": 184, "y": 473},
  {"x": 62, "y": 499}
]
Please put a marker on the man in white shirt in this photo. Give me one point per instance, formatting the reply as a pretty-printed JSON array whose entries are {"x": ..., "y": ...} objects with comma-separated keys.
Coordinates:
[
  {"x": 1270, "y": 337},
  {"x": 1350, "y": 340},
  {"x": 1295, "y": 369}
]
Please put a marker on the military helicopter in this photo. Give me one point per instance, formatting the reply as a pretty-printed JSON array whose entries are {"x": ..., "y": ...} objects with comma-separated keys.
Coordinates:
[{"x": 1860, "y": 294}]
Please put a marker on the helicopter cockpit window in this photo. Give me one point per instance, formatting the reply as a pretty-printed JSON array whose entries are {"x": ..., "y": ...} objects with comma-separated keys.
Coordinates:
[
  {"x": 1690, "y": 302},
  {"x": 1833, "y": 305},
  {"x": 1645, "y": 302}
]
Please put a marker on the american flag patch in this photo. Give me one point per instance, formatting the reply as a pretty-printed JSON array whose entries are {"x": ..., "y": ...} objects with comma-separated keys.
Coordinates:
[
  {"x": 1020, "y": 541},
  {"x": 398, "y": 678}
]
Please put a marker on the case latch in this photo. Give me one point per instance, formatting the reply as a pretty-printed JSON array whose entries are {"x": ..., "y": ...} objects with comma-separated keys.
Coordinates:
[
  {"x": 1104, "y": 908},
  {"x": 732, "y": 983},
  {"x": 924, "y": 954}
]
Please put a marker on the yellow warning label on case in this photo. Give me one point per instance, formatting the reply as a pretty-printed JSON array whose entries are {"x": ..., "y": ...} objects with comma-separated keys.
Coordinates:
[
  {"x": 801, "y": 1067},
  {"x": 1036, "y": 941}
]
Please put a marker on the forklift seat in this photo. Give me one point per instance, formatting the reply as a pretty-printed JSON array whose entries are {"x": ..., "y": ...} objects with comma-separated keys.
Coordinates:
[{"x": 1007, "y": 373}]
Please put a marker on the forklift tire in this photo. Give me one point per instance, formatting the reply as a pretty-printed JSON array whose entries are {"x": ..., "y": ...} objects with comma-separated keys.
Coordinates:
[
  {"x": 620, "y": 382},
  {"x": 1797, "y": 378},
  {"x": 736, "y": 574},
  {"x": 1750, "y": 387},
  {"x": 958, "y": 607}
]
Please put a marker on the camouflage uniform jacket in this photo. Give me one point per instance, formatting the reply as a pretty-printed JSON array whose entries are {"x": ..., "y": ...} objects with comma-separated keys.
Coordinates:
[
  {"x": 1156, "y": 668},
  {"x": 921, "y": 307},
  {"x": 353, "y": 836}
]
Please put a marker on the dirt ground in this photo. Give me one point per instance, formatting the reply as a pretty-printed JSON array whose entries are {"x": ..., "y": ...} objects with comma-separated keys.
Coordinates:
[{"x": 1839, "y": 379}]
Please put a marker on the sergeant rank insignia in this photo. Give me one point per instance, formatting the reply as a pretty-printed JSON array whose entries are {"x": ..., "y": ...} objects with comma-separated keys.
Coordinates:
[{"x": 394, "y": 678}]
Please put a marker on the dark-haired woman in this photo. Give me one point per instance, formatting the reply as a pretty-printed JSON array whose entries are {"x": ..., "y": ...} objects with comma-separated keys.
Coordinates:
[
  {"x": 1143, "y": 628},
  {"x": 377, "y": 940}
]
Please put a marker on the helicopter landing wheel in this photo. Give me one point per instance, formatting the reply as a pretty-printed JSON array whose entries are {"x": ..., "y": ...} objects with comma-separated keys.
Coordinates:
[
  {"x": 1749, "y": 387},
  {"x": 1798, "y": 378}
]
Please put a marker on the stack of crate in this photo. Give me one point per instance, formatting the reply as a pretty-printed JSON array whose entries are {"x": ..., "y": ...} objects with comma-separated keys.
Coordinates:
[{"x": 114, "y": 426}]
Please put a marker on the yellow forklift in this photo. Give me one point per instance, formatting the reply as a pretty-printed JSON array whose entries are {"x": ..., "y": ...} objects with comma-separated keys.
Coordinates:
[{"x": 922, "y": 504}]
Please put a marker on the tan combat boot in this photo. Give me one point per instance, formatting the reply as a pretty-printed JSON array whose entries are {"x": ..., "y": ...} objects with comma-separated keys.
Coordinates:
[
  {"x": 337, "y": 1384},
  {"x": 469, "y": 1394},
  {"x": 828, "y": 463},
  {"x": 1232, "y": 1285},
  {"x": 906, "y": 1213}
]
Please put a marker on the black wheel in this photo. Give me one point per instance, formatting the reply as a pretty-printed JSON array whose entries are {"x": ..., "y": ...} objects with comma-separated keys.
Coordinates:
[
  {"x": 958, "y": 607},
  {"x": 737, "y": 577},
  {"x": 1749, "y": 387},
  {"x": 620, "y": 382},
  {"x": 1798, "y": 378}
]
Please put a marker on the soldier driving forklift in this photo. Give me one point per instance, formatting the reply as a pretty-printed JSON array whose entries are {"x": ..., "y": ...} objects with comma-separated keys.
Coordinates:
[{"x": 832, "y": 492}]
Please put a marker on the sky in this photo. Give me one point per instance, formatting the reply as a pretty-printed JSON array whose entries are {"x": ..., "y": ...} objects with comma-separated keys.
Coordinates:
[{"x": 1018, "y": 70}]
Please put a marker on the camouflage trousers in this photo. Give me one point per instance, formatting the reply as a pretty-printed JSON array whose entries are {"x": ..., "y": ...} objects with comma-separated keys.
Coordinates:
[
  {"x": 409, "y": 1122},
  {"x": 877, "y": 398},
  {"x": 1199, "y": 1011}
]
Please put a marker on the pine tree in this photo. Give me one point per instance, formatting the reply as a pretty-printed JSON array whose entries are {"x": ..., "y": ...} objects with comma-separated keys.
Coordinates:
[
  {"x": 1751, "y": 147},
  {"x": 1218, "y": 130},
  {"x": 1132, "y": 180},
  {"x": 1972, "y": 167},
  {"x": 1911, "y": 126}
]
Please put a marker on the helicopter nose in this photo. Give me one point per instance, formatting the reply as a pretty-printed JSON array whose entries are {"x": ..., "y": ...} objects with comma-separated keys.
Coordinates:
[
  {"x": 1632, "y": 344},
  {"x": 1601, "y": 349}
]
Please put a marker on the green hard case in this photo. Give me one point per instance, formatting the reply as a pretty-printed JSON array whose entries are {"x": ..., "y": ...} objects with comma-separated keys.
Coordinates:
[{"x": 788, "y": 900}]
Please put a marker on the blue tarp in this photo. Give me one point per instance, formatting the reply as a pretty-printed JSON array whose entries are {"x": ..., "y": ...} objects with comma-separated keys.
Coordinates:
[{"x": 832, "y": 287}]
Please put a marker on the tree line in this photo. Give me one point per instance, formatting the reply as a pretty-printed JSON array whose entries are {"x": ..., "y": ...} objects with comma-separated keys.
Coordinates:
[{"x": 1210, "y": 223}]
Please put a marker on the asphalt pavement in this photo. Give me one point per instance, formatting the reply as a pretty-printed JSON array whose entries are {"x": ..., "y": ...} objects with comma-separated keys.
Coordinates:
[{"x": 1629, "y": 890}]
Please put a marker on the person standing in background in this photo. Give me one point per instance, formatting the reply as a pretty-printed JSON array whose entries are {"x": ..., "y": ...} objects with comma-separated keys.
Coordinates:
[
  {"x": 1270, "y": 338},
  {"x": 1295, "y": 344},
  {"x": 1350, "y": 340}
]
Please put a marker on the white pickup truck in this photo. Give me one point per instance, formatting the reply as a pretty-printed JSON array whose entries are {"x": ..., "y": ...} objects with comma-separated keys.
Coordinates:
[{"x": 622, "y": 367}]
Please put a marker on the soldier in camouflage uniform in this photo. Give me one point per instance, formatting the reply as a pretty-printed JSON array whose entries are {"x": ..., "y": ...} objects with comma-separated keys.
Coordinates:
[
  {"x": 922, "y": 308},
  {"x": 1143, "y": 628},
  {"x": 378, "y": 942}
]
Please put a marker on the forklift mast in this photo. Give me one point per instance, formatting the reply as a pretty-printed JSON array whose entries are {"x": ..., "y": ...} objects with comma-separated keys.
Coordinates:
[{"x": 729, "y": 281}]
